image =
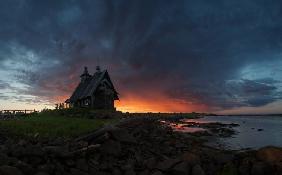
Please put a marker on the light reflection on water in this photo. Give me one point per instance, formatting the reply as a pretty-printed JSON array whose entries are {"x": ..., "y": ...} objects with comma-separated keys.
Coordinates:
[{"x": 182, "y": 128}]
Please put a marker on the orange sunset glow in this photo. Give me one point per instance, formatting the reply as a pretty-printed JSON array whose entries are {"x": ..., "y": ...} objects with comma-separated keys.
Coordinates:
[{"x": 155, "y": 104}]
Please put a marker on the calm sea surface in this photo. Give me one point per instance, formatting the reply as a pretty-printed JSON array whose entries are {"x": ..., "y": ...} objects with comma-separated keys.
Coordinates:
[{"x": 253, "y": 132}]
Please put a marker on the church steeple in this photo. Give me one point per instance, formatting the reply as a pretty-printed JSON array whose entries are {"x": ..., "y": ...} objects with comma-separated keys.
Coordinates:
[{"x": 85, "y": 75}]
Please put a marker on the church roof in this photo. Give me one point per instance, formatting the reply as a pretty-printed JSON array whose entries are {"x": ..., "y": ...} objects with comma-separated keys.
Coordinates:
[{"x": 88, "y": 87}]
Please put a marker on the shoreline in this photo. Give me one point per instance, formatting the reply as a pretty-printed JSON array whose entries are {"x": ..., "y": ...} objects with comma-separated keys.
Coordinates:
[{"x": 133, "y": 146}]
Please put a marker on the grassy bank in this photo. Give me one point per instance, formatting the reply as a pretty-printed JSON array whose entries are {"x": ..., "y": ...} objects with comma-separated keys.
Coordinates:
[
  {"x": 55, "y": 125},
  {"x": 72, "y": 122}
]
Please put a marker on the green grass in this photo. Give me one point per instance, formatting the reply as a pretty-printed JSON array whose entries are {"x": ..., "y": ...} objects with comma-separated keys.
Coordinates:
[{"x": 46, "y": 125}]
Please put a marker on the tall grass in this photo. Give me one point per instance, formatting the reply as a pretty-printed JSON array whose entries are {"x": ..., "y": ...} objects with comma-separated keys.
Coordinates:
[{"x": 55, "y": 125}]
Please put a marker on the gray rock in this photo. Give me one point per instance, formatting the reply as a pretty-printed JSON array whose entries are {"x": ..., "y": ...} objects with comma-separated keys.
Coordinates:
[
  {"x": 82, "y": 164},
  {"x": 167, "y": 164},
  {"x": 150, "y": 163},
  {"x": 259, "y": 168},
  {"x": 144, "y": 172},
  {"x": 25, "y": 168},
  {"x": 123, "y": 136},
  {"x": 41, "y": 173},
  {"x": 3, "y": 158},
  {"x": 157, "y": 173},
  {"x": 224, "y": 158},
  {"x": 197, "y": 170},
  {"x": 270, "y": 154},
  {"x": 111, "y": 147},
  {"x": 279, "y": 167},
  {"x": 181, "y": 169},
  {"x": 229, "y": 168},
  {"x": 37, "y": 150},
  {"x": 128, "y": 167},
  {"x": 245, "y": 167},
  {"x": 22, "y": 142},
  {"x": 11, "y": 161},
  {"x": 75, "y": 171},
  {"x": 130, "y": 172},
  {"x": 116, "y": 171},
  {"x": 18, "y": 152},
  {"x": 35, "y": 160},
  {"x": 69, "y": 162},
  {"x": 191, "y": 158},
  {"x": 9, "y": 170},
  {"x": 57, "y": 151},
  {"x": 48, "y": 168}
]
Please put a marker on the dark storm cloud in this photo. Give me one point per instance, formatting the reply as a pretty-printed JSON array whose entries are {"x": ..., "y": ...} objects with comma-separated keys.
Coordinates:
[{"x": 189, "y": 50}]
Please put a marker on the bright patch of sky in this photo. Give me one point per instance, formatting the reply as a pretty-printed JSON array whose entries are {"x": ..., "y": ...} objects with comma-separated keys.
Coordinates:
[
  {"x": 16, "y": 66},
  {"x": 264, "y": 71},
  {"x": 268, "y": 73}
]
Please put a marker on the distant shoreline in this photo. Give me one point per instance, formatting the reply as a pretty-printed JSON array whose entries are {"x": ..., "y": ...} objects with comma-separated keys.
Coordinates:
[{"x": 266, "y": 115}]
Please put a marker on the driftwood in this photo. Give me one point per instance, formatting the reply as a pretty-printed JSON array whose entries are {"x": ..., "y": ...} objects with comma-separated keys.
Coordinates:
[
  {"x": 109, "y": 128},
  {"x": 95, "y": 135},
  {"x": 83, "y": 150},
  {"x": 103, "y": 133}
]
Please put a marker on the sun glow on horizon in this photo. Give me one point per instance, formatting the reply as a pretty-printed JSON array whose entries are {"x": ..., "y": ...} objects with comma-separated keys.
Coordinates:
[{"x": 155, "y": 104}]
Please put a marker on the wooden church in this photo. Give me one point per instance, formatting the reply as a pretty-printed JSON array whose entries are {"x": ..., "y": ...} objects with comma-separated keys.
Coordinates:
[{"x": 94, "y": 91}]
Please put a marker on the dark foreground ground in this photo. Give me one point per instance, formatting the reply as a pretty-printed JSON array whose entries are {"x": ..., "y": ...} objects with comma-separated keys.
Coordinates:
[{"x": 133, "y": 146}]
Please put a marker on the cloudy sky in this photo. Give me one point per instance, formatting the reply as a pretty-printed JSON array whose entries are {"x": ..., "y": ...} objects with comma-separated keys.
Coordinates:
[{"x": 221, "y": 56}]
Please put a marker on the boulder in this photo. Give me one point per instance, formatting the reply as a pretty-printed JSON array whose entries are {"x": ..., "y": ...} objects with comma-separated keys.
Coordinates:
[
  {"x": 244, "y": 167},
  {"x": 191, "y": 158},
  {"x": 82, "y": 164},
  {"x": 181, "y": 168},
  {"x": 35, "y": 160},
  {"x": 57, "y": 151},
  {"x": 25, "y": 168},
  {"x": 279, "y": 167},
  {"x": 144, "y": 172},
  {"x": 222, "y": 158},
  {"x": 75, "y": 171},
  {"x": 197, "y": 170},
  {"x": 3, "y": 158},
  {"x": 116, "y": 171},
  {"x": 130, "y": 172},
  {"x": 230, "y": 169},
  {"x": 22, "y": 142},
  {"x": 157, "y": 173},
  {"x": 122, "y": 135},
  {"x": 150, "y": 163},
  {"x": 259, "y": 168},
  {"x": 48, "y": 168},
  {"x": 270, "y": 154},
  {"x": 167, "y": 164},
  {"x": 111, "y": 147},
  {"x": 9, "y": 170},
  {"x": 37, "y": 151},
  {"x": 41, "y": 173},
  {"x": 128, "y": 167}
]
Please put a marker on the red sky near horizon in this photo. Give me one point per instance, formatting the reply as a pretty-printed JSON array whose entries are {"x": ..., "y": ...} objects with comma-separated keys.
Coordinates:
[{"x": 152, "y": 102}]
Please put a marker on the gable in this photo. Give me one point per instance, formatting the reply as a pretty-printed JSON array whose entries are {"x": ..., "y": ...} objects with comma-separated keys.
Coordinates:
[{"x": 87, "y": 88}]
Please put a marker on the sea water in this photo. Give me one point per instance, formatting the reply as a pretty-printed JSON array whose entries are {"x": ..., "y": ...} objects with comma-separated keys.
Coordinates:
[{"x": 254, "y": 131}]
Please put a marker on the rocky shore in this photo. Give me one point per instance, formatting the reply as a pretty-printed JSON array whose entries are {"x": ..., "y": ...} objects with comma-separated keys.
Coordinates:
[{"x": 140, "y": 146}]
